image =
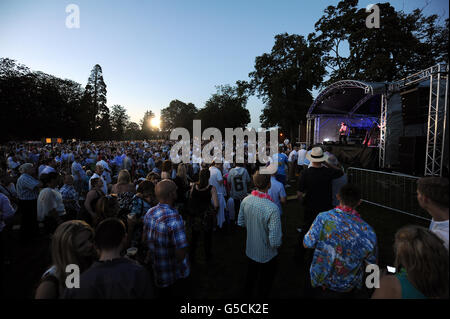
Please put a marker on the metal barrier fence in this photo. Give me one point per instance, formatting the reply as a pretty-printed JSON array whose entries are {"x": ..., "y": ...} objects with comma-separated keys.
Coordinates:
[{"x": 393, "y": 191}]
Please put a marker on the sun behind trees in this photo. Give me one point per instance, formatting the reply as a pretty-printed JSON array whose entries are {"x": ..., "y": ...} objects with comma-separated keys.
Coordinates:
[{"x": 35, "y": 104}]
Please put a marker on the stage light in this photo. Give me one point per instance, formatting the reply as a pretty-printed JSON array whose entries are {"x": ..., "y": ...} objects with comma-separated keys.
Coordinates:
[{"x": 326, "y": 139}]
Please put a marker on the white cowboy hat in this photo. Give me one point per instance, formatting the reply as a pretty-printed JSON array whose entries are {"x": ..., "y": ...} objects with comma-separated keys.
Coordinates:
[{"x": 317, "y": 155}]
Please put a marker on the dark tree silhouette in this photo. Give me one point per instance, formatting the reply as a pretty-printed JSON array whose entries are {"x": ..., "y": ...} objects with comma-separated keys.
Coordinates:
[
  {"x": 225, "y": 108},
  {"x": 178, "y": 114},
  {"x": 95, "y": 93}
]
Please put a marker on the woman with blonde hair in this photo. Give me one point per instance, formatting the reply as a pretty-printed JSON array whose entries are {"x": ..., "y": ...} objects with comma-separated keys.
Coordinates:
[
  {"x": 72, "y": 243},
  {"x": 125, "y": 191},
  {"x": 421, "y": 260}
]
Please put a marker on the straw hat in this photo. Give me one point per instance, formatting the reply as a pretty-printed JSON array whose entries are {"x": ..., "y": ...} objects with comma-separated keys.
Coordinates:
[{"x": 317, "y": 155}]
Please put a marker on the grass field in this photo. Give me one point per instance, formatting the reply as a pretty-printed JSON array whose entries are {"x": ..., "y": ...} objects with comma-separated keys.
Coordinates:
[{"x": 224, "y": 275}]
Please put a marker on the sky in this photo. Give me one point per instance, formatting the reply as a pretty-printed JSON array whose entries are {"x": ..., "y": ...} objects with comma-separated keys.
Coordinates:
[{"x": 153, "y": 52}]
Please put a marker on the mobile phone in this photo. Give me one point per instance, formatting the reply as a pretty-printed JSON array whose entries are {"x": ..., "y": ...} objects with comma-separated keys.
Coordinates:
[{"x": 391, "y": 269}]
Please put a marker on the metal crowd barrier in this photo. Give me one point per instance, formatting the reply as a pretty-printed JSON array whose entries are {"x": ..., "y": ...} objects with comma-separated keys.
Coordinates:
[{"x": 393, "y": 191}]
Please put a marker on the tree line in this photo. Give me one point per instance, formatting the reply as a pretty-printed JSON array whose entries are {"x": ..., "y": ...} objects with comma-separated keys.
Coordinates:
[{"x": 35, "y": 104}]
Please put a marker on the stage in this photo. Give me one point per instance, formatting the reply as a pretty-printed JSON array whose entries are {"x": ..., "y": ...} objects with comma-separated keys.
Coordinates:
[{"x": 355, "y": 155}]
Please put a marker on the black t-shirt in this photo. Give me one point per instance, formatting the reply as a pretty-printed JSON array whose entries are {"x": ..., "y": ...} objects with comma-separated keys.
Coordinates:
[
  {"x": 120, "y": 278},
  {"x": 182, "y": 188},
  {"x": 316, "y": 183}
]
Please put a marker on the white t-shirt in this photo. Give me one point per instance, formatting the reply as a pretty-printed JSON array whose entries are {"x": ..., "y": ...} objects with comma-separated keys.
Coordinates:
[
  {"x": 226, "y": 167},
  {"x": 238, "y": 179},
  {"x": 105, "y": 186},
  {"x": 47, "y": 169},
  {"x": 215, "y": 179},
  {"x": 441, "y": 230},
  {"x": 48, "y": 200},
  {"x": 301, "y": 156},
  {"x": 292, "y": 156}
]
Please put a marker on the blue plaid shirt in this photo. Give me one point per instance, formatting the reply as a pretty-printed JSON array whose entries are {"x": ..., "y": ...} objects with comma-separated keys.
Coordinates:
[
  {"x": 164, "y": 231},
  {"x": 68, "y": 192},
  {"x": 26, "y": 187}
]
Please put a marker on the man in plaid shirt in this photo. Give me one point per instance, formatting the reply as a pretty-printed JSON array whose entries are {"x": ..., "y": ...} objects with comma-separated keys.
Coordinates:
[
  {"x": 166, "y": 239},
  {"x": 70, "y": 197}
]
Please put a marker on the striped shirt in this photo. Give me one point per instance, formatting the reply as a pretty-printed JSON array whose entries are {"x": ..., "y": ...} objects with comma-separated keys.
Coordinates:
[
  {"x": 26, "y": 187},
  {"x": 262, "y": 219}
]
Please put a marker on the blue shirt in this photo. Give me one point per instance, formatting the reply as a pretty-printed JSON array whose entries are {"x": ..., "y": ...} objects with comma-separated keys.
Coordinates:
[
  {"x": 282, "y": 160},
  {"x": 261, "y": 218},
  {"x": 77, "y": 168},
  {"x": 164, "y": 231},
  {"x": 6, "y": 210},
  {"x": 27, "y": 187},
  {"x": 276, "y": 191},
  {"x": 343, "y": 244}
]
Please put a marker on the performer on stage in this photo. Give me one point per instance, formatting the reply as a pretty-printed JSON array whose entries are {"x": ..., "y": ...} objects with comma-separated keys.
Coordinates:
[{"x": 343, "y": 133}]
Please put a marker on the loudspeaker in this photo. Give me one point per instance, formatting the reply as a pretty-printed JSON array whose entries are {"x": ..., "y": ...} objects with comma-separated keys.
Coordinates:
[
  {"x": 411, "y": 154},
  {"x": 415, "y": 105}
]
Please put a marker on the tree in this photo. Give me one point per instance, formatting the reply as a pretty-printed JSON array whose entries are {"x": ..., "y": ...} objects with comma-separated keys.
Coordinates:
[
  {"x": 146, "y": 125},
  {"x": 95, "y": 93},
  {"x": 36, "y": 104},
  {"x": 133, "y": 131},
  {"x": 404, "y": 43},
  {"x": 284, "y": 79},
  {"x": 119, "y": 121},
  {"x": 178, "y": 114},
  {"x": 225, "y": 108}
]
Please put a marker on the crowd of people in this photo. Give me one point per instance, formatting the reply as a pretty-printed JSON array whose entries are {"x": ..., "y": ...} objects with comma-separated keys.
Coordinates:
[{"x": 131, "y": 220}]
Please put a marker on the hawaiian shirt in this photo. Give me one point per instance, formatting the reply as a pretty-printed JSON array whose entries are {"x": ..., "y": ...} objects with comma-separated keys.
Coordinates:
[
  {"x": 139, "y": 207},
  {"x": 344, "y": 243}
]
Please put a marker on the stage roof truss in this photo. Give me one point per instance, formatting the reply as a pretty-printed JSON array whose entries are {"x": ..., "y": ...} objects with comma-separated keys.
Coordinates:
[
  {"x": 345, "y": 84},
  {"x": 436, "y": 76}
]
